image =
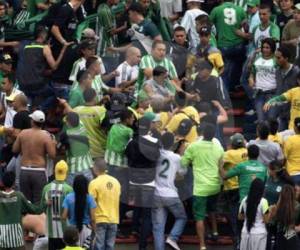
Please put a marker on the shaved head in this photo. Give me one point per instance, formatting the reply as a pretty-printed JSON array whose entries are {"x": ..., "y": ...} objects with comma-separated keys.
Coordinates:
[
  {"x": 22, "y": 100},
  {"x": 132, "y": 50}
]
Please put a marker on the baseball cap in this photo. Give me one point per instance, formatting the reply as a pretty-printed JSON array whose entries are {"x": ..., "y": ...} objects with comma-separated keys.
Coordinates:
[
  {"x": 11, "y": 97},
  {"x": 144, "y": 124},
  {"x": 38, "y": 116},
  {"x": 184, "y": 127},
  {"x": 87, "y": 44},
  {"x": 89, "y": 34},
  {"x": 152, "y": 116},
  {"x": 118, "y": 102},
  {"x": 61, "y": 170},
  {"x": 297, "y": 6},
  {"x": 6, "y": 58},
  {"x": 205, "y": 30},
  {"x": 195, "y": 1},
  {"x": 237, "y": 139}
]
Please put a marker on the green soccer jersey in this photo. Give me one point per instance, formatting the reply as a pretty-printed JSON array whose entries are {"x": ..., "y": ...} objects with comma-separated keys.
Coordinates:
[
  {"x": 117, "y": 139},
  {"x": 204, "y": 156},
  {"x": 76, "y": 97},
  {"x": 149, "y": 62},
  {"x": 246, "y": 172},
  {"x": 78, "y": 153},
  {"x": 56, "y": 191},
  {"x": 227, "y": 19},
  {"x": 107, "y": 22},
  {"x": 13, "y": 205}
]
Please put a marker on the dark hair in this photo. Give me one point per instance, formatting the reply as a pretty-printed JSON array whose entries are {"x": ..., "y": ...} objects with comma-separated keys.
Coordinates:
[
  {"x": 203, "y": 107},
  {"x": 263, "y": 130},
  {"x": 71, "y": 236},
  {"x": 281, "y": 172},
  {"x": 180, "y": 99},
  {"x": 73, "y": 119},
  {"x": 265, "y": 6},
  {"x": 125, "y": 114},
  {"x": 11, "y": 77},
  {"x": 157, "y": 42},
  {"x": 82, "y": 75},
  {"x": 273, "y": 126},
  {"x": 286, "y": 214},
  {"x": 209, "y": 131},
  {"x": 90, "y": 61},
  {"x": 39, "y": 30},
  {"x": 253, "y": 199},
  {"x": 179, "y": 28},
  {"x": 80, "y": 187},
  {"x": 159, "y": 70},
  {"x": 253, "y": 152},
  {"x": 137, "y": 7},
  {"x": 210, "y": 118},
  {"x": 203, "y": 19},
  {"x": 3, "y": 3},
  {"x": 271, "y": 42},
  {"x": 167, "y": 140},
  {"x": 38, "y": 124},
  {"x": 89, "y": 95},
  {"x": 144, "y": 125},
  {"x": 8, "y": 178},
  {"x": 285, "y": 52}
]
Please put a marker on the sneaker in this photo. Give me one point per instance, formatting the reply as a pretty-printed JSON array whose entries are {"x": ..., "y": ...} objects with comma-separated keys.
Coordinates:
[{"x": 172, "y": 243}]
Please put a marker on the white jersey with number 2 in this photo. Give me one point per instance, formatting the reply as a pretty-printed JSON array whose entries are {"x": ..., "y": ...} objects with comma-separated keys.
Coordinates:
[{"x": 167, "y": 166}]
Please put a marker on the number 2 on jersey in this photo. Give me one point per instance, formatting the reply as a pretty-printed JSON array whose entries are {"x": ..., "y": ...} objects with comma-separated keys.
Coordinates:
[
  {"x": 230, "y": 16},
  {"x": 166, "y": 165}
]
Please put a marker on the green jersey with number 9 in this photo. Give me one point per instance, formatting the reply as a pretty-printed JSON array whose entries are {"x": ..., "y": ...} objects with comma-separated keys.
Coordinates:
[{"x": 227, "y": 19}]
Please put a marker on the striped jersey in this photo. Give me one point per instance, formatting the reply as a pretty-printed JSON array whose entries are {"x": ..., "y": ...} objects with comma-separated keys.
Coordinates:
[
  {"x": 78, "y": 153},
  {"x": 13, "y": 205},
  {"x": 149, "y": 62},
  {"x": 55, "y": 191}
]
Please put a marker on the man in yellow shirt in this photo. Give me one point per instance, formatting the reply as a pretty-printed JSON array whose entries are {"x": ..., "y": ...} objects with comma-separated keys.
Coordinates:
[
  {"x": 184, "y": 113},
  {"x": 292, "y": 96},
  {"x": 237, "y": 154},
  {"x": 291, "y": 150},
  {"x": 106, "y": 191}
]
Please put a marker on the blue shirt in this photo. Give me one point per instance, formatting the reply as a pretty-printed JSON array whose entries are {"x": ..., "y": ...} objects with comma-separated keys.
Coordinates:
[{"x": 69, "y": 203}]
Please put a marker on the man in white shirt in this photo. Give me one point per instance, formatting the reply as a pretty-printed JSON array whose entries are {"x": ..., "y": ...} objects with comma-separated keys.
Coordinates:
[
  {"x": 166, "y": 197},
  {"x": 128, "y": 70},
  {"x": 170, "y": 9},
  {"x": 189, "y": 23}
]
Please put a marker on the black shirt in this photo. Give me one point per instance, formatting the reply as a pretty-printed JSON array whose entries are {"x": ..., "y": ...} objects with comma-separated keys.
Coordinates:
[
  {"x": 282, "y": 20},
  {"x": 22, "y": 120}
]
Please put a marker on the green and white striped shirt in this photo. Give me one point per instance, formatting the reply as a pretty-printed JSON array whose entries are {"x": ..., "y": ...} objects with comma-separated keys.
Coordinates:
[
  {"x": 149, "y": 62},
  {"x": 55, "y": 191}
]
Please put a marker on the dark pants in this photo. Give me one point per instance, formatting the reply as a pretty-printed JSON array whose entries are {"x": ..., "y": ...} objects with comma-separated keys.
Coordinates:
[
  {"x": 13, "y": 248},
  {"x": 56, "y": 243},
  {"x": 234, "y": 58},
  {"x": 32, "y": 183}
]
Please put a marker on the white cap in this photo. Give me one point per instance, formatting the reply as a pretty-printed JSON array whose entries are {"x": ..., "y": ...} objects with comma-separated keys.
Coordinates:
[
  {"x": 195, "y": 1},
  {"x": 38, "y": 116},
  {"x": 90, "y": 34}
]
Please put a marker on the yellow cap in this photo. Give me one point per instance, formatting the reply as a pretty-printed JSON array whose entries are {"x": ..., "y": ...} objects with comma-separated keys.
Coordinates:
[
  {"x": 61, "y": 170},
  {"x": 11, "y": 97}
]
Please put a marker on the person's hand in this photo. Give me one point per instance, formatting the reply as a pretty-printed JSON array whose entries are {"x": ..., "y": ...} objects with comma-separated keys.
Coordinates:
[
  {"x": 251, "y": 82},
  {"x": 216, "y": 103},
  {"x": 114, "y": 73},
  {"x": 111, "y": 49},
  {"x": 62, "y": 101},
  {"x": 67, "y": 44},
  {"x": 267, "y": 107}
]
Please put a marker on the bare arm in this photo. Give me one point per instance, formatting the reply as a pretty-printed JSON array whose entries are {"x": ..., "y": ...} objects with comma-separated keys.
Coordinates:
[
  {"x": 64, "y": 215},
  {"x": 17, "y": 146},
  {"x": 93, "y": 219},
  {"x": 51, "y": 147},
  {"x": 50, "y": 59},
  {"x": 57, "y": 34},
  {"x": 222, "y": 117},
  {"x": 9, "y": 44}
]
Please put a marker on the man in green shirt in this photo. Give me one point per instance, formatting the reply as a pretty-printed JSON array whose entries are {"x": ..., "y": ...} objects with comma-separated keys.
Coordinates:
[
  {"x": 206, "y": 158},
  {"x": 247, "y": 171},
  {"x": 76, "y": 142},
  {"x": 76, "y": 94},
  {"x": 55, "y": 192},
  {"x": 13, "y": 205},
  {"x": 228, "y": 19}
]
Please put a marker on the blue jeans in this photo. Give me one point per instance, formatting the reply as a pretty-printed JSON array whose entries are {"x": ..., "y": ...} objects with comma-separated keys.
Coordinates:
[
  {"x": 234, "y": 58},
  {"x": 259, "y": 101},
  {"x": 159, "y": 217},
  {"x": 105, "y": 236}
]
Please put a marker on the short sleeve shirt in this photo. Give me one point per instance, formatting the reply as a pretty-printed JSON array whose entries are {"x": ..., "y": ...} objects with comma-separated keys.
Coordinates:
[{"x": 69, "y": 203}]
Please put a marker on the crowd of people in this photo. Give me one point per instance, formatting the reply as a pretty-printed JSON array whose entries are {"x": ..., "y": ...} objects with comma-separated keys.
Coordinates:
[{"x": 123, "y": 119}]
